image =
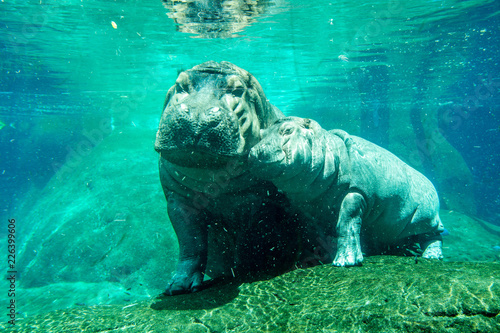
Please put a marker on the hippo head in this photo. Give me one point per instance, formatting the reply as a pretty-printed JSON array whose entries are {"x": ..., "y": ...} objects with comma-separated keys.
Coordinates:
[
  {"x": 213, "y": 113},
  {"x": 289, "y": 153}
]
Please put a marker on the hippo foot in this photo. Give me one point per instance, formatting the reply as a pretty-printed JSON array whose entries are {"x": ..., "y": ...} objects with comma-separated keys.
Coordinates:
[
  {"x": 432, "y": 245},
  {"x": 184, "y": 284},
  {"x": 433, "y": 250},
  {"x": 348, "y": 258}
]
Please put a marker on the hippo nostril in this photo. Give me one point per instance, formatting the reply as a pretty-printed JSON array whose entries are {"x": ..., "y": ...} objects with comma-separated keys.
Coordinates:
[
  {"x": 214, "y": 113},
  {"x": 213, "y": 116}
]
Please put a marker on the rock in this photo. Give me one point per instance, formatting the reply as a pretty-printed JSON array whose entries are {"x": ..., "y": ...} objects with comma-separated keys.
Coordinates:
[
  {"x": 468, "y": 239},
  {"x": 386, "y": 294},
  {"x": 101, "y": 218}
]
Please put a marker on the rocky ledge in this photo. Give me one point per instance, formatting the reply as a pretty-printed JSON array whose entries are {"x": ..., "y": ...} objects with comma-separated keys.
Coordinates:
[{"x": 386, "y": 294}]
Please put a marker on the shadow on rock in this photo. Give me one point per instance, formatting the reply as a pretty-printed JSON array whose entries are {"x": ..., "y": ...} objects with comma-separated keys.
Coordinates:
[{"x": 215, "y": 293}]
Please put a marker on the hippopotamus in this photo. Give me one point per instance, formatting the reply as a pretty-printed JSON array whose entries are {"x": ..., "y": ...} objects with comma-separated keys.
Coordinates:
[
  {"x": 350, "y": 188},
  {"x": 227, "y": 221}
]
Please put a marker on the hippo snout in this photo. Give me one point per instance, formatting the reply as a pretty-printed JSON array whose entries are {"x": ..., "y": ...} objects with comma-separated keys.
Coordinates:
[
  {"x": 216, "y": 116},
  {"x": 266, "y": 159},
  {"x": 188, "y": 131}
]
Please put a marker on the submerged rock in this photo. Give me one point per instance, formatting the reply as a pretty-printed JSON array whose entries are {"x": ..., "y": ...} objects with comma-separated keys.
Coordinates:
[{"x": 386, "y": 294}]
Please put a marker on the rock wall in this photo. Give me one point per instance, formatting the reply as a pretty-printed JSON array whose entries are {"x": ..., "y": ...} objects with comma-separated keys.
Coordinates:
[{"x": 101, "y": 218}]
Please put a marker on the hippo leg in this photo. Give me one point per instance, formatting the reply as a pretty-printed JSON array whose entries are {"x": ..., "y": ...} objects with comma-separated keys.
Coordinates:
[
  {"x": 348, "y": 229},
  {"x": 432, "y": 246},
  {"x": 191, "y": 227}
]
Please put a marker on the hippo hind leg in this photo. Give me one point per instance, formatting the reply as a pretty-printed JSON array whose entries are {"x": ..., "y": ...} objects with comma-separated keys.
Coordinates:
[
  {"x": 431, "y": 242},
  {"x": 432, "y": 245}
]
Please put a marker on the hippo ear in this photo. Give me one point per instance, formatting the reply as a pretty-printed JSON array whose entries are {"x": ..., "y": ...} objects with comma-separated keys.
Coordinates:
[
  {"x": 170, "y": 93},
  {"x": 313, "y": 125},
  {"x": 310, "y": 125}
]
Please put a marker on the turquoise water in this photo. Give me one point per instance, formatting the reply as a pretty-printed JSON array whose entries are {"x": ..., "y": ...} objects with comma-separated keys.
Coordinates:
[{"x": 420, "y": 78}]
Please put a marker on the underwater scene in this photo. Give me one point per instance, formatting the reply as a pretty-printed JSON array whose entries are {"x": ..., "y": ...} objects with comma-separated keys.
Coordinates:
[{"x": 250, "y": 166}]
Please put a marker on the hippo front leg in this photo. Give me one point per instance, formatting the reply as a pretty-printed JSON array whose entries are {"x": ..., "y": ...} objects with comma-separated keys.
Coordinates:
[
  {"x": 191, "y": 228},
  {"x": 348, "y": 230}
]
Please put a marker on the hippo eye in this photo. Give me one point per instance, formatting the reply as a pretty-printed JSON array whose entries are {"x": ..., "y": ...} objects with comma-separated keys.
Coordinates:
[
  {"x": 181, "y": 87},
  {"x": 286, "y": 130},
  {"x": 238, "y": 91},
  {"x": 235, "y": 86}
]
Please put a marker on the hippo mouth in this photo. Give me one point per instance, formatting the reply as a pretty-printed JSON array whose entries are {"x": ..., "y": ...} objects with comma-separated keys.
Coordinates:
[
  {"x": 195, "y": 157},
  {"x": 200, "y": 139},
  {"x": 206, "y": 150},
  {"x": 267, "y": 165}
]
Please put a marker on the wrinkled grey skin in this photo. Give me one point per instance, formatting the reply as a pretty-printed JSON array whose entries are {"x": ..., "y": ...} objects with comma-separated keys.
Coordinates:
[
  {"x": 220, "y": 212},
  {"x": 350, "y": 186}
]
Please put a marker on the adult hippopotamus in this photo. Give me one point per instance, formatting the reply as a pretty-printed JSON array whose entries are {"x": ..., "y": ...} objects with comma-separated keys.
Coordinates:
[
  {"x": 221, "y": 213},
  {"x": 349, "y": 187}
]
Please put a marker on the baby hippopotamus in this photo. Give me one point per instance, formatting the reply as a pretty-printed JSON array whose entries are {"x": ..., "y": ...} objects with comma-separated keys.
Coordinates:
[{"x": 349, "y": 187}]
